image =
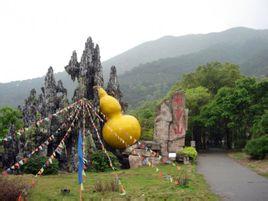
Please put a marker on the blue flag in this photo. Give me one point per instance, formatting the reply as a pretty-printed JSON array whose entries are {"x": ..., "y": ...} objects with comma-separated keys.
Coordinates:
[{"x": 80, "y": 158}]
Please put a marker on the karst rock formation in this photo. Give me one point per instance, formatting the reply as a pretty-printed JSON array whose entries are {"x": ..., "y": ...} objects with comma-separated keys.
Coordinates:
[
  {"x": 113, "y": 88},
  {"x": 53, "y": 97},
  {"x": 87, "y": 72}
]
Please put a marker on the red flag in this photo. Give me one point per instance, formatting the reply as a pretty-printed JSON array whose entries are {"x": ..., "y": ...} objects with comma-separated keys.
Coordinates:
[
  {"x": 20, "y": 197},
  {"x": 4, "y": 173}
]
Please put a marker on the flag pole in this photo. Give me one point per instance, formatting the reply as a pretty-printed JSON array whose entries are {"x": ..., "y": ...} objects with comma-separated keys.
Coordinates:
[
  {"x": 80, "y": 192},
  {"x": 80, "y": 163}
]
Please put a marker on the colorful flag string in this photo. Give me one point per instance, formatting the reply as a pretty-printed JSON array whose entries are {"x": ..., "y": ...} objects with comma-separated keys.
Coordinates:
[
  {"x": 153, "y": 153},
  {"x": 23, "y": 161},
  {"x": 60, "y": 146},
  {"x": 47, "y": 119},
  {"x": 122, "y": 189}
]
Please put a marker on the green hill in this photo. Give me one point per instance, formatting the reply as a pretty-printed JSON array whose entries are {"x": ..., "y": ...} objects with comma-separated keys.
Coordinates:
[
  {"x": 161, "y": 62},
  {"x": 174, "y": 46},
  {"x": 152, "y": 80},
  {"x": 14, "y": 93}
]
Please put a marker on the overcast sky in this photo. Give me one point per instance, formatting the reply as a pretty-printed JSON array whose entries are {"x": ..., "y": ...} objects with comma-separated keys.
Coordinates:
[{"x": 36, "y": 34}]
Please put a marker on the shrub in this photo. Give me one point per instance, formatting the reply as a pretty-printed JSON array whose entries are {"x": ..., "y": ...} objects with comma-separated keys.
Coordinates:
[
  {"x": 9, "y": 116},
  {"x": 188, "y": 151},
  {"x": 11, "y": 188},
  {"x": 182, "y": 179},
  {"x": 100, "y": 162},
  {"x": 257, "y": 148},
  {"x": 260, "y": 126},
  {"x": 35, "y": 163},
  {"x": 106, "y": 186}
]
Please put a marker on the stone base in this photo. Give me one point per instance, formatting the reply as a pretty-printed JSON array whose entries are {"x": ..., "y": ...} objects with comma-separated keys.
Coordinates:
[{"x": 136, "y": 161}]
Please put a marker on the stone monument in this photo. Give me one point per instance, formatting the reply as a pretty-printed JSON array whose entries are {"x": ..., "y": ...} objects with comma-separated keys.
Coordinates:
[{"x": 171, "y": 124}]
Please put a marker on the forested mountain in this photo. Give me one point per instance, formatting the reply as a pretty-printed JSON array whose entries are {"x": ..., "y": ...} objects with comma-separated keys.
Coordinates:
[
  {"x": 152, "y": 80},
  {"x": 14, "y": 93},
  {"x": 163, "y": 61},
  {"x": 174, "y": 46}
]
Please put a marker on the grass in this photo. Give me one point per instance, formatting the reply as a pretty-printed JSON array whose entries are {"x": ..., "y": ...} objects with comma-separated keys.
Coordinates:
[
  {"x": 259, "y": 166},
  {"x": 141, "y": 184}
]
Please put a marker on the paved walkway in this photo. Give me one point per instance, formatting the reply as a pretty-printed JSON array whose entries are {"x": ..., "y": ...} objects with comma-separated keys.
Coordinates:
[{"x": 230, "y": 180}]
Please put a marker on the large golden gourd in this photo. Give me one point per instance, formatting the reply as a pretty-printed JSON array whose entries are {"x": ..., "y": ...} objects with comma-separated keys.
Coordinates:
[{"x": 120, "y": 130}]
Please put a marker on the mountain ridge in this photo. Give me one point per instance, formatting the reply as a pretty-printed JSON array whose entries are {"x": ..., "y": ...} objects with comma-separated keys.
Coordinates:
[
  {"x": 173, "y": 46},
  {"x": 244, "y": 46}
]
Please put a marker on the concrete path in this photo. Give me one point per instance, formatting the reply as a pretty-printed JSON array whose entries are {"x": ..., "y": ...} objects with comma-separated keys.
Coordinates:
[{"x": 230, "y": 180}]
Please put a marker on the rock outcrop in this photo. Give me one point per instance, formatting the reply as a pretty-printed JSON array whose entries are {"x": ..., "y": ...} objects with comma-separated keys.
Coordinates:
[
  {"x": 141, "y": 154},
  {"x": 10, "y": 145},
  {"x": 169, "y": 133},
  {"x": 55, "y": 95},
  {"x": 113, "y": 88},
  {"x": 88, "y": 72},
  {"x": 50, "y": 92},
  {"x": 171, "y": 124},
  {"x": 29, "y": 109},
  {"x": 52, "y": 98}
]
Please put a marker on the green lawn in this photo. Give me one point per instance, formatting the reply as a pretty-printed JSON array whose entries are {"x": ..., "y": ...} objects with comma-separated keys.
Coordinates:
[
  {"x": 259, "y": 166},
  {"x": 141, "y": 184}
]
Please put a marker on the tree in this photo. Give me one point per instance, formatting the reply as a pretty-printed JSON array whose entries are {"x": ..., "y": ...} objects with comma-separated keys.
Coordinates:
[
  {"x": 9, "y": 116},
  {"x": 196, "y": 98},
  {"x": 260, "y": 126},
  {"x": 213, "y": 76},
  {"x": 146, "y": 115},
  {"x": 215, "y": 117},
  {"x": 236, "y": 113}
]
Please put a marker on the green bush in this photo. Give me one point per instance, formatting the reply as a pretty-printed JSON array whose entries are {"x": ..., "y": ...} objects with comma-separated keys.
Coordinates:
[
  {"x": 257, "y": 148},
  {"x": 9, "y": 116},
  {"x": 106, "y": 186},
  {"x": 146, "y": 115},
  {"x": 100, "y": 162},
  {"x": 188, "y": 151},
  {"x": 260, "y": 126},
  {"x": 35, "y": 163}
]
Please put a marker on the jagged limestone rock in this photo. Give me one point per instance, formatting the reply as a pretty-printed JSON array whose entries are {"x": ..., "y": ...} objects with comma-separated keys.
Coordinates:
[
  {"x": 62, "y": 100},
  {"x": 53, "y": 97},
  {"x": 29, "y": 109},
  {"x": 50, "y": 92},
  {"x": 88, "y": 72},
  {"x": 42, "y": 103},
  {"x": 73, "y": 67},
  {"x": 113, "y": 88},
  {"x": 10, "y": 145}
]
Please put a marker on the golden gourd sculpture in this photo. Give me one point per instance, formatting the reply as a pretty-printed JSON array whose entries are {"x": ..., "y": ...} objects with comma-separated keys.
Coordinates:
[{"x": 120, "y": 130}]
